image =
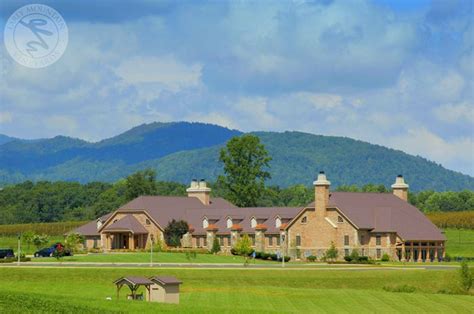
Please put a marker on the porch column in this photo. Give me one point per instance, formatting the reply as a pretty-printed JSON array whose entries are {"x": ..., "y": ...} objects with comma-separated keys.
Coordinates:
[
  {"x": 419, "y": 253},
  {"x": 403, "y": 259},
  {"x": 436, "y": 252},
  {"x": 131, "y": 241},
  {"x": 428, "y": 253},
  {"x": 412, "y": 255}
]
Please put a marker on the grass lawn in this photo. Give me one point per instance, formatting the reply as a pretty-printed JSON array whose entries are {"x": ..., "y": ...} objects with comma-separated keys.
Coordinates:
[
  {"x": 78, "y": 290},
  {"x": 160, "y": 257},
  {"x": 460, "y": 242}
]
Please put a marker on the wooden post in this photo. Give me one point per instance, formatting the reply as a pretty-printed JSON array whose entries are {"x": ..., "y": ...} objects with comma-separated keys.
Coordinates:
[
  {"x": 412, "y": 255},
  {"x": 428, "y": 253},
  {"x": 419, "y": 253},
  {"x": 436, "y": 251},
  {"x": 403, "y": 253}
]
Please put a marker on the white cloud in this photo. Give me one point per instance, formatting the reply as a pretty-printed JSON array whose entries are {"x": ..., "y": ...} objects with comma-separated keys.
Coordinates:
[
  {"x": 458, "y": 112},
  {"x": 165, "y": 71},
  {"x": 457, "y": 153},
  {"x": 213, "y": 118},
  {"x": 5, "y": 117},
  {"x": 321, "y": 101}
]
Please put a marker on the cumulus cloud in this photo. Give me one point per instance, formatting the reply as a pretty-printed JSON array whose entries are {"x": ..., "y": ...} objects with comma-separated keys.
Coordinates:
[{"x": 460, "y": 112}]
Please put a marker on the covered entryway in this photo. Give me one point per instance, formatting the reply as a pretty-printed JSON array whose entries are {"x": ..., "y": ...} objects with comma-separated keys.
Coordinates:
[{"x": 125, "y": 234}]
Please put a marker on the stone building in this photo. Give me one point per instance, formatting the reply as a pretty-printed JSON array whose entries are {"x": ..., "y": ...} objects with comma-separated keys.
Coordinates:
[{"x": 374, "y": 224}]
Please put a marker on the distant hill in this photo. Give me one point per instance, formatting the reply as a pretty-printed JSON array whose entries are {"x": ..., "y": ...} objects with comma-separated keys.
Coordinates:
[
  {"x": 5, "y": 139},
  {"x": 181, "y": 151}
]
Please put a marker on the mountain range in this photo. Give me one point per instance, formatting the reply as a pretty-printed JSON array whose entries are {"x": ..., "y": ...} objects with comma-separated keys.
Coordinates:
[{"x": 180, "y": 151}]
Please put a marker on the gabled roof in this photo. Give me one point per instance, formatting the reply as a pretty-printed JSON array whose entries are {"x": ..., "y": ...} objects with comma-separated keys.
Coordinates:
[
  {"x": 134, "y": 281},
  {"x": 90, "y": 228},
  {"x": 127, "y": 223},
  {"x": 166, "y": 280},
  {"x": 385, "y": 212}
]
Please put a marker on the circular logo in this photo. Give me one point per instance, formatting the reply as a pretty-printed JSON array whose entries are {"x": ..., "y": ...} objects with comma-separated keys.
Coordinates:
[{"x": 36, "y": 35}]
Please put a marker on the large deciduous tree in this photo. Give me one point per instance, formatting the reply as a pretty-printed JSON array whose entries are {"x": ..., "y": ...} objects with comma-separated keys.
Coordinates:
[
  {"x": 245, "y": 161},
  {"x": 174, "y": 231},
  {"x": 141, "y": 183}
]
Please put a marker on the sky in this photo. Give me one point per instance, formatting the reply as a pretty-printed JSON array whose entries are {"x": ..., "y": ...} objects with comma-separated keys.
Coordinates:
[{"x": 394, "y": 73}]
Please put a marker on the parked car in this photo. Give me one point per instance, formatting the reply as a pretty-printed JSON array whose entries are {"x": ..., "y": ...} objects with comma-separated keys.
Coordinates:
[
  {"x": 6, "y": 253},
  {"x": 49, "y": 251}
]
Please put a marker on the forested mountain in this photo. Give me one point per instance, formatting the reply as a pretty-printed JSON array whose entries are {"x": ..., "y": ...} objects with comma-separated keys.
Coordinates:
[{"x": 182, "y": 151}]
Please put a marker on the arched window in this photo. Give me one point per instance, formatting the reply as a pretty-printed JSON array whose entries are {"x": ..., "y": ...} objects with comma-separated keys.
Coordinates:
[
  {"x": 278, "y": 222},
  {"x": 229, "y": 223},
  {"x": 205, "y": 223},
  {"x": 253, "y": 222},
  {"x": 304, "y": 220}
]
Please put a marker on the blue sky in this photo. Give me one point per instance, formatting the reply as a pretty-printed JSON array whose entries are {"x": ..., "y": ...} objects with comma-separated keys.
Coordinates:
[{"x": 395, "y": 73}]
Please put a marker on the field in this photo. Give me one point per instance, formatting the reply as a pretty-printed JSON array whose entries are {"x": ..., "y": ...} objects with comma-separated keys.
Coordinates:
[
  {"x": 158, "y": 257},
  {"x": 85, "y": 290},
  {"x": 460, "y": 242}
]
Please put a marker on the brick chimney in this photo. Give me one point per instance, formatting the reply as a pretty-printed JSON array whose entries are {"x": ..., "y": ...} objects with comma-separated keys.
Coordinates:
[
  {"x": 200, "y": 190},
  {"x": 400, "y": 188},
  {"x": 321, "y": 194}
]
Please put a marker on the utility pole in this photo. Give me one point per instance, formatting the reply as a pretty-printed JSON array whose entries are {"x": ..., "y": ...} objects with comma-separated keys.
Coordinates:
[
  {"x": 19, "y": 248},
  {"x": 151, "y": 250}
]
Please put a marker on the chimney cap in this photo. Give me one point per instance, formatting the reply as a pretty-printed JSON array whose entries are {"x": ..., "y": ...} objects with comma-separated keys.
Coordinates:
[
  {"x": 400, "y": 183},
  {"x": 322, "y": 180},
  {"x": 194, "y": 180},
  {"x": 203, "y": 180}
]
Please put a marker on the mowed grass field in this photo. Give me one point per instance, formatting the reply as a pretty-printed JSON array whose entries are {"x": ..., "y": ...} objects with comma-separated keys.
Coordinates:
[
  {"x": 79, "y": 290},
  {"x": 158, "y": 257},
  {"x": 460, "y": 242}
]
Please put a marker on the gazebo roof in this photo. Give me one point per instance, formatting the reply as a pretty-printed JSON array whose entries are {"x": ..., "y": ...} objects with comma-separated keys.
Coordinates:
[{"x": 134, "y": 281}]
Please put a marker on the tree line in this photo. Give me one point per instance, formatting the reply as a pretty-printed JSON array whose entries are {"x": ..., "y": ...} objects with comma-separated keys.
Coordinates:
[{"x": 245, "y": 161}]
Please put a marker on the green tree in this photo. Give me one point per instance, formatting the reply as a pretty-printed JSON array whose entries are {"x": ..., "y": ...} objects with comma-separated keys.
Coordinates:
[
  {"x": 174, "y": 231},
  {"x": 140, "y": 183},
  {"x": 28, "y": 238},
  {"x": 245, "y": 160},
  {"x": 243, "y": 247},
  {"x": 40, "y": 240},
  {"x": 331, "y": 253},
  {"x": 216, "y": 247},
  {"x": 73, "y": 240},
  {"x": 465, "y": 276}
]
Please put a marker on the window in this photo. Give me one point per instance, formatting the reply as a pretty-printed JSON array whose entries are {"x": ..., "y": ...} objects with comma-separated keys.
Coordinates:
[
  {"x": 362, "y": 239},
  {"x": 278, "y": 241},
  {"x": 229, "y": 223},
  {"x": 339, "y": 219},
  {"x": 147, "y": 221},
  {"x": 252, "y": 237},
  {"x": 198, "y": 242},
  {"x": 253, "y": 222},
  {"x": 95, "y": 243},
  {"x": 378, "y": 240},
  {"x": 278, "y": 222},
  {"x": 205, "y": 241},
  {"x": 304, "y": 220},
  {"x": 346, "y": 240},
  {"x": 205, "y": 223},
  {"x": 221, "y": 241},
  {"x": 379, "y": 253},
  {"x": 346, "y": 252},
  {"x": 298, "y": 240},
  {"x": 270, "y": 241}
]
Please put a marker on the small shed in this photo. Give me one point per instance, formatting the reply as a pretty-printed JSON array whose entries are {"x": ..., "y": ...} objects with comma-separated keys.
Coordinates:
[
  {"x": 134, "y": 282},
  {"x": 164, "y": 289}
]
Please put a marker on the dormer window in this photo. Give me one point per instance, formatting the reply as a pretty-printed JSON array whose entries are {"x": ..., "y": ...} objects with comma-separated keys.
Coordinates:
[
  {"x": 304, "y": 220},
  {"x": 339, "y": 219},
  {"x": 205, "y": 223},
  {"x": 229, "y": 223},
  {"x": 99, "y": 224},
  {"x": 253, "y": 222},
  {"x": 278, "y": 222}
]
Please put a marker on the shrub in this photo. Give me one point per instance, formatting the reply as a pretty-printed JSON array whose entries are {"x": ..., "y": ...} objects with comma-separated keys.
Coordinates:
[
  {"x": 287, "y": 258},
  {"x": 274, "y": 257},
  {"x": 402, "y": 288},
  {"x": 331, "y": 254},
  {"x": 465, "y": 277},
  {"x": 385, "y": 257},
  {"x": 216, "y": 247},
  {"x": 349, "y": 259},
  {"x": 311, "y": 258},
  {"x": 447, "y": 258}
]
